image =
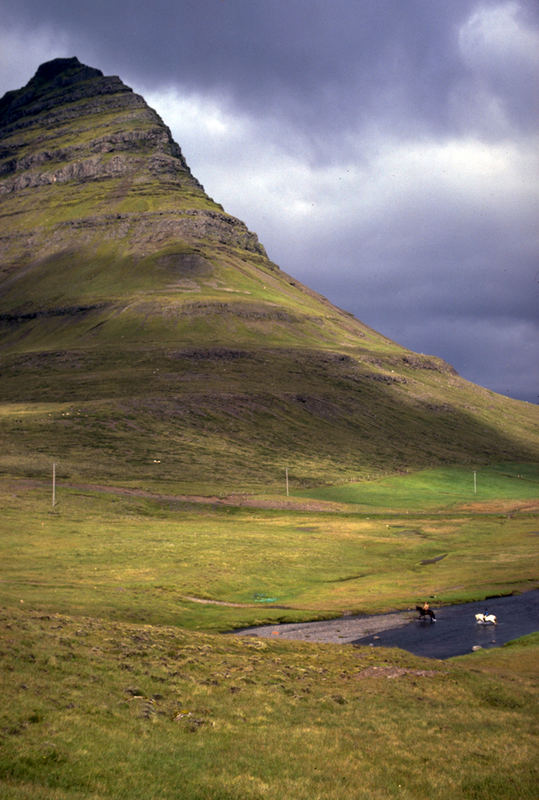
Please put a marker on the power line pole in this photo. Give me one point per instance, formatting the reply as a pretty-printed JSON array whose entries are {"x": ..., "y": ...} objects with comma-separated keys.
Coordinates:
[
  {"x": 53, "y": 484},
  {"x": 475, "y": 482},
  {"x": 286, "y": 473}
]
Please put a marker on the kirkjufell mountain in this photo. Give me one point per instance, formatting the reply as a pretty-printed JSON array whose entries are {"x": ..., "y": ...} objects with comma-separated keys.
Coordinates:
[{"x": 147, "y": 339}]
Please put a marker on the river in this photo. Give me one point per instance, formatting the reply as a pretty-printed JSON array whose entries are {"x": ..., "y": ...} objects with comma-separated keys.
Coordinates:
[{"x": 456, "y": 632}]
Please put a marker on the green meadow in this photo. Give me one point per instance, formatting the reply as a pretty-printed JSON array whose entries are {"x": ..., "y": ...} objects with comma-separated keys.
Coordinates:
[
  {"x": 120, "y": 681},
  {"x": 439, "y": 488},
  {"x": 151, "y": 558}
]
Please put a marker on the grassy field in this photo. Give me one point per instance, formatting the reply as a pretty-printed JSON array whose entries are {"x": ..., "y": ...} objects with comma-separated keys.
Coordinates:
[
  {"x": 141, "y": 559},
  {"x": 119, "y": 685}
]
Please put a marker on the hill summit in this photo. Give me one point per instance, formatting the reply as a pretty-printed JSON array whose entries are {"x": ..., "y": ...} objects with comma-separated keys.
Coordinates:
[{"x": 147, "y": 338}]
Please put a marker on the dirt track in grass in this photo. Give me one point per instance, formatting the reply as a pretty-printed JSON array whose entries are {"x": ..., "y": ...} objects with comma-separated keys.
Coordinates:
[
  {"x": 277, "y": 503},
  {"x": 237, "y": 500}
]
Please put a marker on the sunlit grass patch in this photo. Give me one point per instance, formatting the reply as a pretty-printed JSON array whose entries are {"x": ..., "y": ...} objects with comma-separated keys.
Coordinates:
[{"x": 439, "y": 488}]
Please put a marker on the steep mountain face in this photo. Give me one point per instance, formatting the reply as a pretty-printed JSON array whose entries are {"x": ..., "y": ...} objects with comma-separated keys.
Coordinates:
[{"x": 145, "y": 336}]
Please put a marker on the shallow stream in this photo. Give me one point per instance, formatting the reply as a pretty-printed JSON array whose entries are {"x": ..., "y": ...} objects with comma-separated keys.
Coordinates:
[{"x": 456, "y": 632}]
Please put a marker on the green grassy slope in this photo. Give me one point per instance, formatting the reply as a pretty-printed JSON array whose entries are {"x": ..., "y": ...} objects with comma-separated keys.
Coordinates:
[
  {"x": 145, "y": 336},
  {"x": 97, "y": 709}
]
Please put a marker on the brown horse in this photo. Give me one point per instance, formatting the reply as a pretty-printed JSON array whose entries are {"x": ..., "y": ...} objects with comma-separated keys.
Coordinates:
[{"x": 426, "y": 611}]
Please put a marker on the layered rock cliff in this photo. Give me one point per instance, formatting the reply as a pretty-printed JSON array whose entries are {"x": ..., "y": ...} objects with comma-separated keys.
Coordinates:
[{"x": 71, "y": 127}]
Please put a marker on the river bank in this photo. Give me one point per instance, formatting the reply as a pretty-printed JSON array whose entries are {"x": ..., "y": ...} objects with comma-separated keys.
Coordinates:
[
  {"x": 342, "y": 630},
  {"x": 455, "y": 632}
]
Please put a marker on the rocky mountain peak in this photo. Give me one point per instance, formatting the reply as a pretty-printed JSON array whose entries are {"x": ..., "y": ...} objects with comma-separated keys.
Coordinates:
[
  {"x": 62, "y": 80},
  {"x": 67, "y": 70},
  {"x": 80, "y": 151},
  {"x": 70, "y": 123}
]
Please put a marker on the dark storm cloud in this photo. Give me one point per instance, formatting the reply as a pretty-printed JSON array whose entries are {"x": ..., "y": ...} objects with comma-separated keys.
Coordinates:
[
  {"x": 385, "y": 151},
  {"x": 324, "y": 63}
]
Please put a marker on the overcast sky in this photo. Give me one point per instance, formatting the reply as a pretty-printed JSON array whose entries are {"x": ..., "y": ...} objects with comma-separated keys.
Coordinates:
[{"x": 386, "y": 152}]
